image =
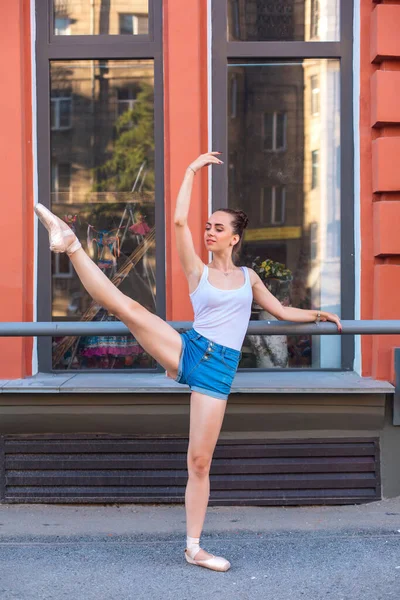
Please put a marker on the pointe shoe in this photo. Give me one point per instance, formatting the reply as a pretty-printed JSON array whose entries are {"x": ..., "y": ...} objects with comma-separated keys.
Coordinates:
[
  {"x": 216, "y": 563},
  {"x": 61, "y": 237}
]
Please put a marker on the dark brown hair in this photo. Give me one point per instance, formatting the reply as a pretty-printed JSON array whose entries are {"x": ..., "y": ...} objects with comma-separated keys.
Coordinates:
[{"x": 239, "y": 224}]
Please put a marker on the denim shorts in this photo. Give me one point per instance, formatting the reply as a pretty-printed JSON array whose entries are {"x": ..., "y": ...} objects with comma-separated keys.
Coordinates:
[{"x": 205, "y": 366}]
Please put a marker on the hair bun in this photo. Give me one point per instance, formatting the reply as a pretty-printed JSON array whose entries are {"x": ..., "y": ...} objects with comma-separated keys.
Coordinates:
[{"x": 244, "y": 218}]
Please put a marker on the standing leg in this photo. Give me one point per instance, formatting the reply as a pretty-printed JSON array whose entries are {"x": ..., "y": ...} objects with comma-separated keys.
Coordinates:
[{"x": 206, "y": 417}]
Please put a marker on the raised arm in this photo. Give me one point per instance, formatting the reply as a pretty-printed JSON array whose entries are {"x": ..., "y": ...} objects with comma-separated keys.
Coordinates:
[
  {"x": 190, "y": 261},
  {"x": 268, "y": 302}
]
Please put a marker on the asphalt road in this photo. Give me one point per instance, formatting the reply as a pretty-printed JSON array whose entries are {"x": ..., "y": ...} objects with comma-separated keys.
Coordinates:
[{"x": 136, "y": 552}]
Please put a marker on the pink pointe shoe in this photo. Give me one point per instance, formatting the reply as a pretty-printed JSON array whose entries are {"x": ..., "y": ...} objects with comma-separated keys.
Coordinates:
[
  {"x": 216, "y": 563},
  {"x": 61, "y": 237}
]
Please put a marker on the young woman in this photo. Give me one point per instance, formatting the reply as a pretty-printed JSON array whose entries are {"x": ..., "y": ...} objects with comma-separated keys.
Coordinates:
[{"x": 205, "y": 357}]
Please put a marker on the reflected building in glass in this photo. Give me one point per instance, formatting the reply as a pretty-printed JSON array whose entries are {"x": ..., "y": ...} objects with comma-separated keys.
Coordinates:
[
  {"x": 101, "y": 17},
  {"x": 283, "y": 20},
  {"x": 284, "y": 158},
  {"x": 322, "y": 195}
]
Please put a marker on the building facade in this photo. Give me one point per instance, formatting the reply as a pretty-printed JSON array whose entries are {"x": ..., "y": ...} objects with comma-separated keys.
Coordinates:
[{"x": 105, "y": 103}]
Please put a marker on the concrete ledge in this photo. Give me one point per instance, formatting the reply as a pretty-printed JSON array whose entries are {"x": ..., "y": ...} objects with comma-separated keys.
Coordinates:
[{"x": 157, "y": 383}]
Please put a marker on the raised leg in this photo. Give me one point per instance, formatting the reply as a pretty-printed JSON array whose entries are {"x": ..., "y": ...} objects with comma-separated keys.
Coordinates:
[
  {"x": 206, "y": 418},
  {"x": 155, "y": 336}
]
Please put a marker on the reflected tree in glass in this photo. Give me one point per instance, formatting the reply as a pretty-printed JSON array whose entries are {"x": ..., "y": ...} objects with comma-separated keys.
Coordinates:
[
  {"x": 133, "y": 150},
  {"x": 103, "y": 185}
]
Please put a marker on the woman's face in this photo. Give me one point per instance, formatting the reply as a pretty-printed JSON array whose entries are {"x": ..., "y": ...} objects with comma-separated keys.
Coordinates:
[{"x": 218, "y": 234}]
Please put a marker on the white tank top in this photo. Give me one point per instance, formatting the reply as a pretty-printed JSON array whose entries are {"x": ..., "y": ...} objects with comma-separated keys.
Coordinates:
[{"x": 222, "y": 316}]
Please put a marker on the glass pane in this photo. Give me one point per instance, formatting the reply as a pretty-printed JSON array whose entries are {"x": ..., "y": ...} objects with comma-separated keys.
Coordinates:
[
  {"x": 103, "y": 185},
  {"x": 114, "y": 17},
  {"x": 284, "y": 171},
  {"x": 283, "y": 20}
]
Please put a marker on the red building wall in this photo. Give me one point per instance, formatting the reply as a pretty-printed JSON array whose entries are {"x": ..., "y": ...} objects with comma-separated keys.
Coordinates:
[
  {"x": 186, "y": 132},
  {"x": 380, "y": 179},
  {"x": 16, "y": 198},
  {"x": 186, "y": 136}
]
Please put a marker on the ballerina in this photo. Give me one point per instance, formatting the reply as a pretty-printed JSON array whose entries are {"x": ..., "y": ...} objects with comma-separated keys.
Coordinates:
[{"x": 206, "y": 356}]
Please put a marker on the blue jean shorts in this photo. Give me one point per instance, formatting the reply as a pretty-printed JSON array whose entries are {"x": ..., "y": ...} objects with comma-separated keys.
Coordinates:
[{"x": 205, "y": 366}]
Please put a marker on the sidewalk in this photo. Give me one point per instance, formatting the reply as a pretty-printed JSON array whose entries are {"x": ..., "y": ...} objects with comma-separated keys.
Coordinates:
[{"x": 136, "y": 552}]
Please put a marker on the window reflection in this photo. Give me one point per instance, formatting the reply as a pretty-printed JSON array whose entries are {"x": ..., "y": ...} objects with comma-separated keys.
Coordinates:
[
  {"x": 61, "y": 109},
  {"x": 273, "y": 205},
  {"x": 102, "y": 185},
  {"x": 274, "y": 131},
  {"x": 291, "y": 192},
  {"x": 114, "y": 17},
  {"x": 283, "y": 20}
]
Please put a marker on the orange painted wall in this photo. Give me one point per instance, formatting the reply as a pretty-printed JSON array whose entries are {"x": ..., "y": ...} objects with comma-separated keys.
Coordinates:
[
  {"x": 367, "y": 257},
  {"x": 16, "y": 257},
  {"x": 380, "y": 179},
  {"x": 185, "y": 115}
]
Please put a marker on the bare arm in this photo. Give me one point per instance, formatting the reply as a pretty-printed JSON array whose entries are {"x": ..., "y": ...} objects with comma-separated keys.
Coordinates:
[
  {"x": 268, "y": 302},
  {"x": 190, "y": 261}
]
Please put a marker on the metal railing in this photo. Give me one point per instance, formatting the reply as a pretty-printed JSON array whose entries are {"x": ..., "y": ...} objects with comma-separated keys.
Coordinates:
[{"x": 25, "y": 329}]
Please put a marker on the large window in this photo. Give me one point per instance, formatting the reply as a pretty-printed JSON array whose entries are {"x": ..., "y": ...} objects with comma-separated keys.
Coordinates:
[
  {"x": 100, "y": 168},
  {"x": 289, "y": 161}
]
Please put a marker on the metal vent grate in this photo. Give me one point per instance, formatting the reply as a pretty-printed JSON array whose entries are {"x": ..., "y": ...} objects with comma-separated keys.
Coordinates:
[{"x": 118, "y": 468}]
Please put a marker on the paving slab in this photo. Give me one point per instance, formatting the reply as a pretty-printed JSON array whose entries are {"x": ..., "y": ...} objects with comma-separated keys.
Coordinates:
[
  {"x": 120, "y": 552},
  {"x": 67, "y": 519}
]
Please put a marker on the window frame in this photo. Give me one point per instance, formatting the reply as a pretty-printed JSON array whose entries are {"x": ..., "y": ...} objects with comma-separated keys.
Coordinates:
[
  {"x": 55, "y": 102},
  {"x": 315, "y": 92},
  {"x": 66, "y": 32},
  {"x": 58, "y": 274},
  {"x": 315, "y": 169},
  {"x": 135, "y": 19},
  {"x": 314, "y": 8},
  {"x": 49, "y": 48},
  {"x": 275, "y": 119},
  {"x": 55, "y": 180},
  {"x": 222, "y": 52},
  {"x": 271, "y": 221}
]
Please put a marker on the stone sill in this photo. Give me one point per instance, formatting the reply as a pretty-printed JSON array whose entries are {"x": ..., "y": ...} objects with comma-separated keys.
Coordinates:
[{"x": 314, "y": 382}]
